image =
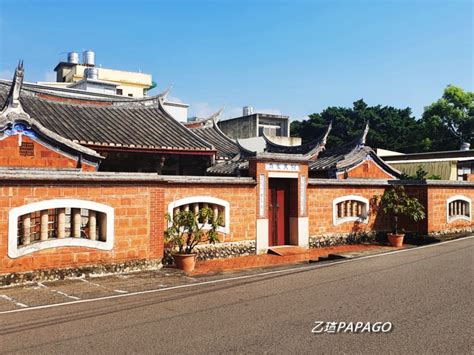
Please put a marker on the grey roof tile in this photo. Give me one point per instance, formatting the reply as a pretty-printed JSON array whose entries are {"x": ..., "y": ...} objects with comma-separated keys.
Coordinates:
[{"x": 118, "y": 123}]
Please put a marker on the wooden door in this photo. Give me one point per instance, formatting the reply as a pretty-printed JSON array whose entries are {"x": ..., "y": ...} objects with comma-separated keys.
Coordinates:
[{"x": 278, "y": 201}]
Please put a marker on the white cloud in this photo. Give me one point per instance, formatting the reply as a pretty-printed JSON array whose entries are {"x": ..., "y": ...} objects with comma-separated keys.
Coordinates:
[{"x": 6, "y": 74}]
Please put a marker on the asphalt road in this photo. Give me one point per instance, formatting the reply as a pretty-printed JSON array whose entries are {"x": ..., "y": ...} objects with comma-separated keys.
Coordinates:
[{"x": 426, "y": 293}]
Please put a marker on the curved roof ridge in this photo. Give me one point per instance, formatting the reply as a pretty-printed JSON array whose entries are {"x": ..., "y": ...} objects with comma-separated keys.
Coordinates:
[
  {"x": 130, "y": 125},
  {"x": 88, "y": 97},
  {"x": 215, "y": 119},
  {"x": 13, "y": 112},
  {"x": 308, "y": 149},
  {"x": 176, "y": 123}
]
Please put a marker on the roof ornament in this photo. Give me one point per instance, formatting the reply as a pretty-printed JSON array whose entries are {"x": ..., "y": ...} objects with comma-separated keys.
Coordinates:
[
  {"x": 364, "y": 135},
  {"x": 13, "y": 103},
  {"x": 325, "y": 137},
  {"x": 163, "y": 95},
  {"x": 216, "y": 116}
]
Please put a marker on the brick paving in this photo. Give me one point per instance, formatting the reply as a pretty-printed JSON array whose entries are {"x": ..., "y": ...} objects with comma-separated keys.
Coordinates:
[{"x": 256, "y": 261}]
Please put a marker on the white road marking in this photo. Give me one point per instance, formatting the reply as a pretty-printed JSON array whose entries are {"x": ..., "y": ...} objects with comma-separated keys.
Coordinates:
[
  {"x": 105, "y": 288},
  {"x": 15, "y": 302},
  {"x": 58, "y": 292},
  {"x": 285, "y": 271}
]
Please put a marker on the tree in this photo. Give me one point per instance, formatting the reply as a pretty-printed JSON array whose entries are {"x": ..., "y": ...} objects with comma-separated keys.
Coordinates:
[
  {"x": 449, "y": 122},
  {"x": 396, "y": 202},
  {"x": 390, "y": 128}
]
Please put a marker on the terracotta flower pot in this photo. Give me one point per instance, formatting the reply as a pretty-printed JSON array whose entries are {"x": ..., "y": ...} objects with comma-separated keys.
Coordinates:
[
  {"x": 395, "y": 240},
  {"x": 185, "y": 262}
]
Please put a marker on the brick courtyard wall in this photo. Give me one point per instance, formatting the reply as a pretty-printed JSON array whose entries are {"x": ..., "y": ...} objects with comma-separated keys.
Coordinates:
[
  {"x": 433, "y": 195},
  {"x": 139, "y": 202},
  {"x": 41, "y": 156},
  {"x": 137, "y": 234},
  {"x": 437, "y": 207},
  {"x": 242, "y": 206},
  {"x": 320, "y": 209}
]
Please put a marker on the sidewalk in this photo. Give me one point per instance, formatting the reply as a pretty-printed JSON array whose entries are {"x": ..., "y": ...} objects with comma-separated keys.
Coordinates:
[{"x": 263, "y": 260}]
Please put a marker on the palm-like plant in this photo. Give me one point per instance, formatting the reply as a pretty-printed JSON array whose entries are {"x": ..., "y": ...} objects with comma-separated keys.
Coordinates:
[
  {"x": 395, "y": 202},
  {"x": 186, "y": 229}
]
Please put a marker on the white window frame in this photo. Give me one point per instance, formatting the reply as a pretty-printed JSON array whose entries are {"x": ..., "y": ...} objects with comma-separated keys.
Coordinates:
[
  {"x": 15, "y": 251},
  {"x": 460, "y": 217},
  {"x": 205, "y": 199},
  {"x": 336, "y": 221}
]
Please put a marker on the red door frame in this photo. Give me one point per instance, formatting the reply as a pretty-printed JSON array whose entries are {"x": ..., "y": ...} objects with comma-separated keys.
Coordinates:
[{"x": 278, "y": 212}]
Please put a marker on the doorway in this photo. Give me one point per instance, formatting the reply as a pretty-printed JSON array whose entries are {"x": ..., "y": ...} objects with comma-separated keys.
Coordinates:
[{"x": 279, "y": 211}]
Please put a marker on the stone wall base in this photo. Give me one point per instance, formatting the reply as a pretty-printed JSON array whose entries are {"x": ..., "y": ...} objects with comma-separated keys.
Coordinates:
[
  {"x": 96, "y": 270},
  {"x": 217, "y": 251},
  {"x": 335, "y": 239},
  {"x": 461, "y": 230}
]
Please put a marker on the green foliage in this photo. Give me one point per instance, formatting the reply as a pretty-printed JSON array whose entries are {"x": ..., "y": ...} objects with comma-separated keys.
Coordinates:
[
  {"x": 390, "y": 128},
  {"x": 187, "y": 229},
  {"x": 449, "y": 121},
  {"x": 395, "y": 202},
  {"x": 421, "y": 174},
  {"x": 444, "y": 125}
]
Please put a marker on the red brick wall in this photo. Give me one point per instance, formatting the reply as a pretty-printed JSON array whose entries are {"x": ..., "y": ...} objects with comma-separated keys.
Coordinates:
[
  {"x": 320, "y": 210},
  {"x": 138, "y": 224},
  {"x": 43, "y": 157},
  {"x": 242, "y": 206},
  {"x": 437, "y": 196},
  {"x": 367, "y": 170},
  {"x": 140, "y": 207}
]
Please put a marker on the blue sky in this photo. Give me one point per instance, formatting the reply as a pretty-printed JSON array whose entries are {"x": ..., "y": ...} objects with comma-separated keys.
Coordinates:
[{"x": 289, "y": 57}]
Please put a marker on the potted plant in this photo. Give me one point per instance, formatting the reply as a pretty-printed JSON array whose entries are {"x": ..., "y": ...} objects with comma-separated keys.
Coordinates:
[
  {"x": 186, "y": 229},
  {"x": 395, "y": 202}
]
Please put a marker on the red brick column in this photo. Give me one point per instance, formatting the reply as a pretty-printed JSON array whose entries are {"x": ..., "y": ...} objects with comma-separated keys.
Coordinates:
[{"x": 157, "y": 221}]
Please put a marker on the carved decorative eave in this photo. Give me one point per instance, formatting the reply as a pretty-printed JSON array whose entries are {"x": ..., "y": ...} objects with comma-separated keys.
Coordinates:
[{"x": 15, "y": 121}]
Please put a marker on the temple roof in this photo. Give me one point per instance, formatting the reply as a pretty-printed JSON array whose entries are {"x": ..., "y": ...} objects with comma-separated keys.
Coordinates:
[
  {"x": 209, "y": 131},
  {"x": 263, "y": 148},
  {"x": 310, "y": 149},
  {"x": 105, "y": 122},
  {"x": 349, "y": 155},
  {"x": 232, "y": 167},
  {"x": 15, "y": 121}
]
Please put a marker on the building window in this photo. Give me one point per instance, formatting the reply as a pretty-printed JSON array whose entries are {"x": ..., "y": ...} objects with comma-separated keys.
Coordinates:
[
  {"x": 350, "y": 208},
  {"x": 27, "y": 149},
  {"x": 220, "y": 207},
  {"x": 119, "y": 92},
  {"x": 458, "y": 208},
  {"x": 465, "y": 168},
  {"x": 59, "y": 223},
  {"x": 130, "y": 95}
]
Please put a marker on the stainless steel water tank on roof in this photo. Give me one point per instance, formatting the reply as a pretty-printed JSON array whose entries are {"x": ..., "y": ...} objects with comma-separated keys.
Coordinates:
[
  {"x": 73, "y": 57},
  {"x": 247, "y": 110},
  {"x": 91, "y": 73},
  {"x": 88, "y": 57}
]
